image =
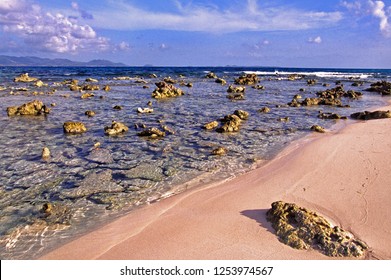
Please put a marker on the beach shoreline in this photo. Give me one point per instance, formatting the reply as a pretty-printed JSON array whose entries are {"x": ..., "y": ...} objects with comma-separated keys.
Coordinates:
[{"x": 343, "y": 175}]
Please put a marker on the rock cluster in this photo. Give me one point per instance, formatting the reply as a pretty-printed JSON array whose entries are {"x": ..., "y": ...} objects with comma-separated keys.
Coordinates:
[
  {"x": 330, "y": 116},
  {"x": 383, "y": 87},
  {"x": 165, "y": 90},
  {"x": 74, "y": 127},
  {"x": 338, "y": 92},
  {"x": 33, "y": 108},
  {"x": 371, "y": 115},
  {"x": 247, "y": 79},
  {"x": 115, "y": 128},
  {"x": 304, "y": 229}
]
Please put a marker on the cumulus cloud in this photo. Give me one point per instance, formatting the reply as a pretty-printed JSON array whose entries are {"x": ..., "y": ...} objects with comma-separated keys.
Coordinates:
[
  {"x": 378, "y": 9},
  {"x": 316, "y": 40},
  {"x": 250, "y": 16},
  {"x": 45, "y": 31}
]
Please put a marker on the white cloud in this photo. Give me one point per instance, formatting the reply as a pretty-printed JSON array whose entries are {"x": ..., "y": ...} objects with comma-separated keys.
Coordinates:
[
  {"x": 45, "y": 31},
  {"x": 316, "y": 40},
  {"x": 378, "y": 9},
  {"x": 123, "y": 46},
  {"x": 250, "y": 16}
]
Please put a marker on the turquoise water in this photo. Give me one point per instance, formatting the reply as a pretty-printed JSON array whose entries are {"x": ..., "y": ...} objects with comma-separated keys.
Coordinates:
[{"x": 87, "y": 185}]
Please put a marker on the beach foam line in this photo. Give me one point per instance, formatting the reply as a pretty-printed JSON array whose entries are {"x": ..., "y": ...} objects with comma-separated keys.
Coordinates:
[{"x": 344, "y": 175}]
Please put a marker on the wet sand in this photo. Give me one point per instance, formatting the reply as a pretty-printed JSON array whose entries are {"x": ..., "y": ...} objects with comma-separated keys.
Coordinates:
[{"x": 344, "y": 175}]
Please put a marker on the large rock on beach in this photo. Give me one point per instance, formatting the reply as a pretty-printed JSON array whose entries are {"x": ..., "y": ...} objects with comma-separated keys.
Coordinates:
[
  {"x": 74, "y": 127},
  {"x": 303, "y": 229},
  {"x": 115, "y": 128},
  {"x": 33, "y": 108},
  {"x": 25, "y": 78},
  {"x": 371, "y": 115},
  {"x": 165, "y": 90}
]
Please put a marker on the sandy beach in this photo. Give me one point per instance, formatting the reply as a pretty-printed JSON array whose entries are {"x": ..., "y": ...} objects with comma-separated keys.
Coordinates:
[{"x": 343, "y": 175}]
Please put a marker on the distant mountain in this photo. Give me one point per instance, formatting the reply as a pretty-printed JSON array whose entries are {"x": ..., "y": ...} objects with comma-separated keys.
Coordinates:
[{"x": 37, "y": 61}]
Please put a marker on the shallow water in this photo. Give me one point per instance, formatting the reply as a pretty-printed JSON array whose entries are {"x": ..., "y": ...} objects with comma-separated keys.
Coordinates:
[{"x": 87, "y": 185}]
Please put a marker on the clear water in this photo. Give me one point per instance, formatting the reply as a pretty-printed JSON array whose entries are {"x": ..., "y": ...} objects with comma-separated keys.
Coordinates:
[{"x": 127, "y": 171}]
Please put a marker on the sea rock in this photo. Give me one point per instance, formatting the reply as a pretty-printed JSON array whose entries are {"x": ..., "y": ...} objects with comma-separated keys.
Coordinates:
[
  {"x": 231, "y": 123},
  {"x": 211, "y": 125},
  {"x": 264, "y": 110},
  {"x": 94, "y": 183},
  {"x": 221, "y": 81},
  {"x": 247, "y": 79},
  {"x": 90, "y": 87},
  {"x": 87, "y": 95},
  {"x": 74, "y": 88},
  {"x": 145, "y": 110},
  {"x": 106, "y": 88},
  {"x": 236, "y": 96},
  {"x": 25, "y": 78},
  {"x": 220, "y": 151},
  {"x": 371, "y": 115},
  {"x": 45, "y": 153},
  {"x": 258, "y": 87},
  {"x": 122, "y": 78},
  {"x": 318, "y": 128},
  {"x": 89, "y": 113},
  {"x": 32, "y": 108},
  {"x": 56, "y": 213},
  {"x": 118, "y": 107},
  {"x": 74, "y": 127},
  {"x": 283, "y": 119},
  {"x": 39, "y": 83},
  {"x": 233, "y": 89},
  {"x": 170, "y": 80},
  {"x": 211, "y": 75},
  {"x": 338, "y": 92},
  {"x": 330, "y": 116},
  {"x": 357, "y": 84},
  {"x": 165, "y": 90},
  {"x": 311, "y": 82},
  {"x": 303, "y": 229},
  {"x": 243, "y": 115},
  {"x": 115, "y": 128},
  {"x": 383, "y": 87},
  {"x": 152, "y": 132}
]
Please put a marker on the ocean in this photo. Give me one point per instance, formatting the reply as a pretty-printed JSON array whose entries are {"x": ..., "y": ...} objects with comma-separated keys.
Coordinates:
[{"x": 92, "y": 178}]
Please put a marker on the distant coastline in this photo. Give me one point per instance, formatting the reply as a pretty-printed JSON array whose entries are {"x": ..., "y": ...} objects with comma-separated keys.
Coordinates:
[{"x": 32, "y": 61}]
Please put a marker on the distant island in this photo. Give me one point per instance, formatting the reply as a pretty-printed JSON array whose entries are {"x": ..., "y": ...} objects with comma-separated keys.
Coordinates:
[{"x": 37, "y": 61}]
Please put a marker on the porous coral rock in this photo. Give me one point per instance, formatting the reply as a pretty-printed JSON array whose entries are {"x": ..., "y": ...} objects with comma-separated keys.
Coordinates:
[
  {"x": 115, "y": 128},
  {"x": 303, "y": 229},
  {"x": 33, "y": 108},
  {"x": 165, "y": 90},
  {"x": 74, "y": 127},
  {"x": 25, "y": 78},
  {"x": 366, "y": 115}
]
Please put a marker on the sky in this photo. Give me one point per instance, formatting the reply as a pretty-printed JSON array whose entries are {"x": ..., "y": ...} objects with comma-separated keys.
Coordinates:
[{"x": 285, "y": 33}]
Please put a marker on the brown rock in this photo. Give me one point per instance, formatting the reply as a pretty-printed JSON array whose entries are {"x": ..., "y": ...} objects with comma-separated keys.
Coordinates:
[
  {"x": 371, "y": 115},
  {"x": 25, "y": 78},
  {"x": 74, "y": 127},
  {"x": 152, "y": 132},
  {"x": 211, "y": 125},
  {"x": 32, "y": 108},
  {"x": 116, "y": 128}
]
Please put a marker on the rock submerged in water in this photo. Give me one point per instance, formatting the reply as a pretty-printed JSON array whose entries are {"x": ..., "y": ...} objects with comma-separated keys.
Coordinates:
[
  {"x": 318, "y": 128},
  {"x": 371, "y": 115},
  {"x": 74, "y": 127},
  {"x": 45, "y": 153},
  {"x": 152, "y": 132},
  {"x": 219, "y": 151},
  {"x": 211, "y": 125},
  {"x": 115, "y": 128},
  {"x": 303, "y": 229},
  {"x": 231, "y": 123},
  {"x": 33, "y": 108}
]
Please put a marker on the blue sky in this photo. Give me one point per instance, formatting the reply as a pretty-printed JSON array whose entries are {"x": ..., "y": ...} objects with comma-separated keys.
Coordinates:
[{"x": 304, "y": 33}]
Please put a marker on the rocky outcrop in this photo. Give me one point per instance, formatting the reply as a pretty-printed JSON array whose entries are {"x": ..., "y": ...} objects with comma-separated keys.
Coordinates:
[
  {"x": 25, "y": 78},
  {"x": 211, "y": 75},
  {"x": 89, "y": 113},
  {"x": 371, "y": 115},
  {"x": 264, "y": 110},
  {"x": 221, "y": 81},
  {"x": 87, "y": 95},
  {"x": 304, "y": 229},
  {"x": 74, "y": 127},
  {"x": 383, "y": 87},
  {"x": 115, "y": 128},
  {"x": 330, "y": 116},
  {"x": 90, "y": 87},
  {"x": 33, "y": 108},
  {"x": 165, "y": 90},
  {"x": 338, "y": 92},
  {"x": 247, "y": 79}
]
